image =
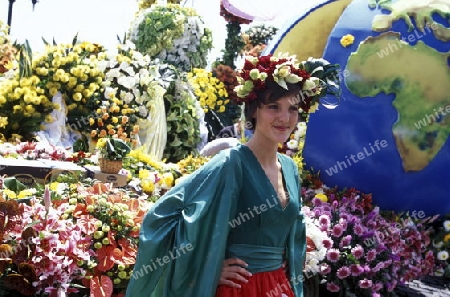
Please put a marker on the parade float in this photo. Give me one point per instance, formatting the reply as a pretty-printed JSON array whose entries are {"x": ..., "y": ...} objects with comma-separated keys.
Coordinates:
[{"x": 73, "y": 230}]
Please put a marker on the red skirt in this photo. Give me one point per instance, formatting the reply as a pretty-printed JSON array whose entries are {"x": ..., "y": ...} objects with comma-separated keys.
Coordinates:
[{"x": 264, "y": 284}]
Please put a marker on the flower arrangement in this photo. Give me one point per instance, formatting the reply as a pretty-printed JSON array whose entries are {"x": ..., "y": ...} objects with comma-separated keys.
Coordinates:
[
  {"x": 148, "y": 175},
  {"x": 85, "y": 237},
  {"x": 129, "y": 85},
  {"x": 317, "y": 243},
  {"x": 23, "y": 107},
  {"x": 71, "y": 69},
  {"x": 441, "y": 248},
  {"x": 209, "y": 90},
  {"x": 174, "y": 34},
  {"x": 113, "y": 149},
  {"x": 260, "y": 34},
  {"x": 317, "y": 77},
  {"x": 370, "y": 254}
]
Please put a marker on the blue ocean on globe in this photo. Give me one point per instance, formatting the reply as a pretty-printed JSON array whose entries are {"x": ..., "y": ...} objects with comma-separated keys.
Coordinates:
[{"x": 389, "y": 135}]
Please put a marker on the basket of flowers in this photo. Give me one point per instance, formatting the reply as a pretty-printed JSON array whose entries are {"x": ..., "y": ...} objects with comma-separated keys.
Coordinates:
[{"x": 112, "y": 152}]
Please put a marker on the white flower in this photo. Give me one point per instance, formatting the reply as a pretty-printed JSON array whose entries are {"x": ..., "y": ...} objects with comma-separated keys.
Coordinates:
[
  {"x": 447, "y": 225},
  {"x": 292, "y": 144},
  {"x": 442, "y": 255}
]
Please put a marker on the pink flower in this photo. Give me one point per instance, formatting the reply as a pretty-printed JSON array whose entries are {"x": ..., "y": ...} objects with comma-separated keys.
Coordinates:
[
  {"x": 333, "y": 255},
  {"x": 337, "y": 230},
  {"x": 324, "y": 220},
  {"x": 365, "y": 283},
  {"x": 332, "y": 287},
  {"x": 358, "y": 251},
  {"x": 371, "y": 255},
  {"x": 356, "y": 269},
  {"x": 325, "y": 269},
  {"x": 343, "y": 272},
  {"x": 327, "y": 243},
  {"x": 345, "y": 241},
  {"x": 47, "y": 198},
  {"x": 358, "y": 229}
]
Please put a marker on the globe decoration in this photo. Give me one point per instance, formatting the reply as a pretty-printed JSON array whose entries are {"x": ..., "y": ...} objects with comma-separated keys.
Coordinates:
[{"x": 389, "y": 136}]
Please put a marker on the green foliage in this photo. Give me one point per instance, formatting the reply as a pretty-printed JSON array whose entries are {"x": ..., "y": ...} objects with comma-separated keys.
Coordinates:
[
  {"x": 233, "y": 44},
  {"x": 183, "y": 133}
]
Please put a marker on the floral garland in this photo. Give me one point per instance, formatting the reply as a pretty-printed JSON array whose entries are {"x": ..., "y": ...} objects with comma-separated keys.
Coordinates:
[{"x": 316, "y": 77}]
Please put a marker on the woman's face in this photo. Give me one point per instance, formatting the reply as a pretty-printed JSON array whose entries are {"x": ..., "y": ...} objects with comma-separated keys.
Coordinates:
[{"x": 276, "y": 121}]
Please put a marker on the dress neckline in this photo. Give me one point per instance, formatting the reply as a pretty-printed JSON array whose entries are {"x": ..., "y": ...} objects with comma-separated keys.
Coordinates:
[{"x": 261, "y": 169}]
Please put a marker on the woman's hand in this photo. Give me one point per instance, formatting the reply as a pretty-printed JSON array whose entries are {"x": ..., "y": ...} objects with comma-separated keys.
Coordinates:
[{"x": 232, "y": 270}]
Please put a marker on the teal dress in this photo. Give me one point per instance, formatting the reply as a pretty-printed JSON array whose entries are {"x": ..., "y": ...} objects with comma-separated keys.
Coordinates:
[{"x": 227, "y": 208}]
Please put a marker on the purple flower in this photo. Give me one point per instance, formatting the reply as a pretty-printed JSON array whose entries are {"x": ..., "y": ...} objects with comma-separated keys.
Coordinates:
[
  {"x": 358, "y": 251},
  {"x": 325, "y": 269},
  {"x": 333, "y": 255},
  {"x": 365, "y": 283},
  {"x": 327, "y": 243},
  {"x": 332, "y": 287},
  {"x": 343, "y": 272},
  {"x": 358, "y": 229},
  {"x": 371, "y": 255},
  {"x": 356, "y": 269},
  {"x": 337, "y": 230},
  {"x": 346, "y": 240}
]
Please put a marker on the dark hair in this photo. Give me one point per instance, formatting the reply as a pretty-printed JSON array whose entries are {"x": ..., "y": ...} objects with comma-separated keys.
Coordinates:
[{"x": 272, "y": 93}]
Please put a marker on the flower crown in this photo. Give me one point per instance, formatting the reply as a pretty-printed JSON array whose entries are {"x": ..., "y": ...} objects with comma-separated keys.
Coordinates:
[{"x": 317, "y": 77}]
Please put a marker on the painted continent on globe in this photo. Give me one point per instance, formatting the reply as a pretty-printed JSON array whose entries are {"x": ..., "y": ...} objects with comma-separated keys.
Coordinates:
[{"x": 395, "y": 92}]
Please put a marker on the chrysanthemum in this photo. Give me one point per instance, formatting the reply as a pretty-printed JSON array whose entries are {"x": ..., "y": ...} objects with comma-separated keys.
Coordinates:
[
  {"x": 327, "y": 243},
  {"x": 371, "y": 255},
  {"x": 332, "y": 287},
  {"x": 358, "y": 251},
  {"x": 345, "y": 241},
  {"x": 333, "y": 255},
  {"x": 343, "y": 272},
  {"x": 337, "y": 230},
  {"x": 365, "y": 283},
  {"x": 356, "y": 269},
  {"x": 324, "y": 220}
]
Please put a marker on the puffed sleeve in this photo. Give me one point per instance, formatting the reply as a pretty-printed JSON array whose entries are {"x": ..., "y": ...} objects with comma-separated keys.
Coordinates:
[
  {"x": 183, "y": 236},
  {"x": 296, "y": 245}
]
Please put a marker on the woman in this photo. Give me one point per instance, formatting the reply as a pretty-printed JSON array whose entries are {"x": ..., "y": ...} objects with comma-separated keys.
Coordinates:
[{"x": 242, "y": 206}]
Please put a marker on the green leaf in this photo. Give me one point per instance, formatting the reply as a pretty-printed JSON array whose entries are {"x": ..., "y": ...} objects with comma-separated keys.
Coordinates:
[{"x": 13, "y": 184}]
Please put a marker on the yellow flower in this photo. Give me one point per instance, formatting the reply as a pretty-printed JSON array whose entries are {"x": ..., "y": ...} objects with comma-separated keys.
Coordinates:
[
  {"x": 446, "y": 238},
  {"x": 147, "y": 186},
  {"x": 347, "y": 40},
  {"x": 322, "y": 197},
  {"x": 101, "y": 143},
  {"x": 3, "y": 122},
  {"x": 167, "y": 179}
]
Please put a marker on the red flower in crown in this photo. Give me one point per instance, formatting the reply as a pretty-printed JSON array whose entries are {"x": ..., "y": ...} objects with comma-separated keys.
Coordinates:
[{"x": 258, "y": 70}]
